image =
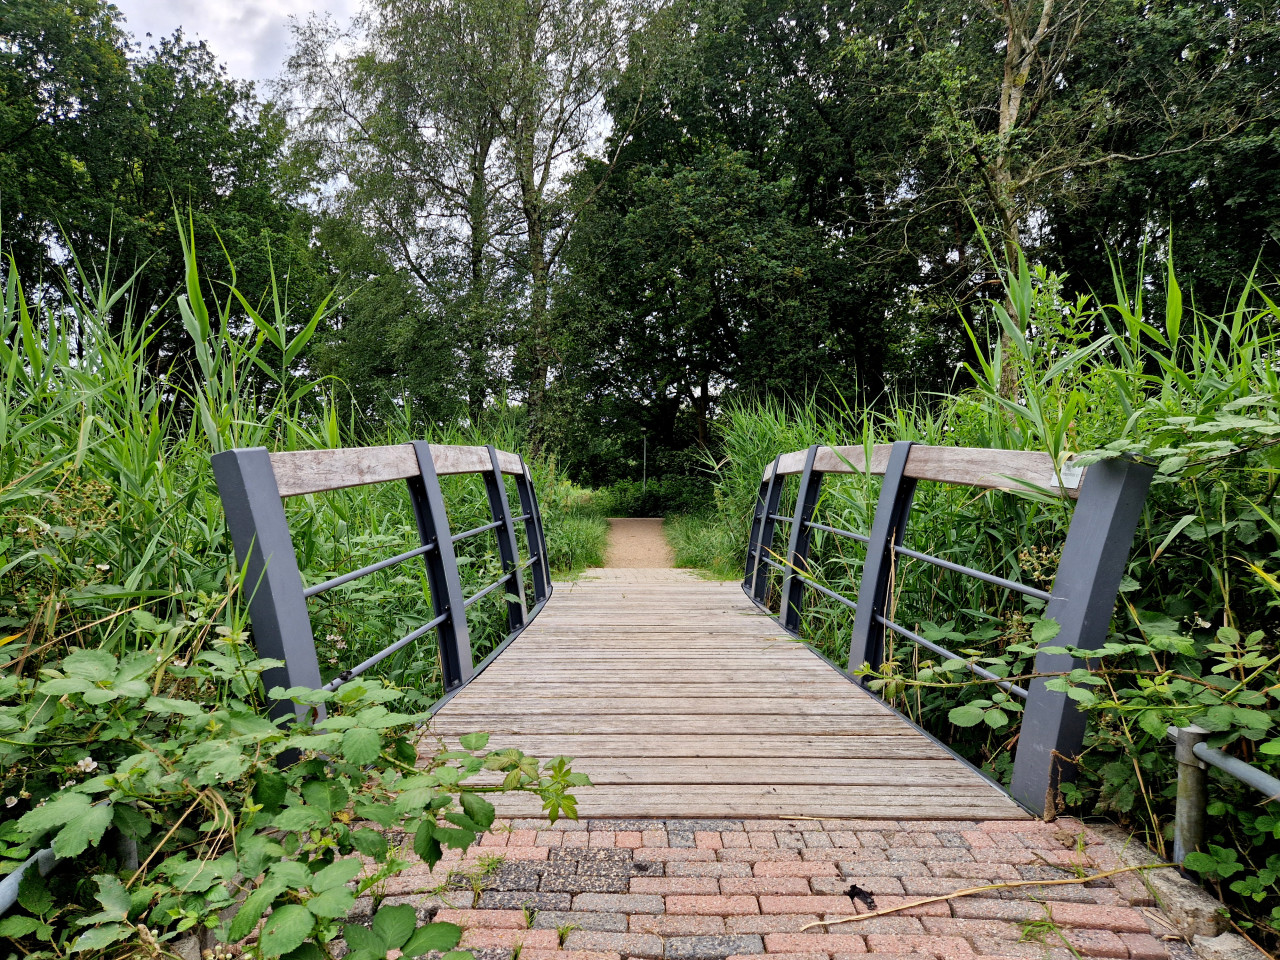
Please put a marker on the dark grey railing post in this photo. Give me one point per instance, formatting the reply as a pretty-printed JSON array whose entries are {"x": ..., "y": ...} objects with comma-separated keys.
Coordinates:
[
  {"x": 260, "y": 534},
  {"x": 1193, "y": 794},
  {"x": 887, "y": 530},
  {"x": 798, "y": 545},
  {"x": 542, "y": 531},
  {"x": 1084, "y": 598},
  {"x": 762, "y": 534},
  {"x": 533, "y": 533},
  {"x": 456, "y": 667},
  {"x": 500, "y": 507}
]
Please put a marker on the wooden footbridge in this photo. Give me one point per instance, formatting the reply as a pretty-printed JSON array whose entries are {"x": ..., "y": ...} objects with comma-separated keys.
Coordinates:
[{"x": 682, "y": 697}]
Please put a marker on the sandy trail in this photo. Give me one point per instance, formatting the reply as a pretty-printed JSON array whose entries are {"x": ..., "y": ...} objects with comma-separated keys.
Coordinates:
[{"x": 637, "y": 542}]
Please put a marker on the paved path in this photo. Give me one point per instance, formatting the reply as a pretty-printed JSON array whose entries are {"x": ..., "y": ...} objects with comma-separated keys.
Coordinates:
[
  {"x": 611, "y": 889},
  {"x": 680, "y": 698},
  {"x": 637, "y": 543}
]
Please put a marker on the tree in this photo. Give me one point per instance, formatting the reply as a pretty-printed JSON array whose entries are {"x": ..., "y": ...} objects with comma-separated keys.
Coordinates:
[{"x": 454, "y": 124}]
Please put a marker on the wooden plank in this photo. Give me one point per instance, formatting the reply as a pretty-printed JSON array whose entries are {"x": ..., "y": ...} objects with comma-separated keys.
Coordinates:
[
  {"x": 680, "y": 698},
  {"x": 975, "y": 466},
  {"x": 867, "y": 746},
  {"x": 313, "y": 471}
]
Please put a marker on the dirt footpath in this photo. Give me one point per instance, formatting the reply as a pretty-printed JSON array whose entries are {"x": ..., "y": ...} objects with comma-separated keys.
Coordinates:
[{"x": 638, "y": 542}]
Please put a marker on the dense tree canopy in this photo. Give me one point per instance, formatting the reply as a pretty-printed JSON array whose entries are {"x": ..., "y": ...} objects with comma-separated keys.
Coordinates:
[{"x": 616, "y": 214}]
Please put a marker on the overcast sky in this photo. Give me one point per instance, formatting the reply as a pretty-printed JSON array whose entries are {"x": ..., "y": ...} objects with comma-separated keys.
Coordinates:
[{"x": 249, "y": 36}]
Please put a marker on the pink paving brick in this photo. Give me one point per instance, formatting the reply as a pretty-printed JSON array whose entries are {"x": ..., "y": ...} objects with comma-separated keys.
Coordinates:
[
  {"x": 716, "y": 906},
  {"x": 795, "y": 868},
  {"x": 549, "y": 838},
  {"x": 1119, "y": 919},
  {"x": 675, "y": 885},
  {"x": 891, "y": 924},
  {"x": 810, "y": 904},
  {"x": 630, "y": 839},
  {"x": 1096, "y": 943},
  {"x": 707, "y": 840},
  {"x": 531, "y": 853},
  {"x": 734, "y": 840},
  {"x": 814, "y": 942},
  {"x": 781, "y": 956},
  {"x": 684, "y": 925},
  {"x": 673, "y": 853},
  {"x": 493, "y": 840},
  {"x": 943, "y": 947},
  {"x": 479, "y": 939},
  {"x": 970, "y": 928},
  {"x": 601, "y": 839},
  {"x": 1143, "y": 946},
  {"x": 844, "y": 838},
  {"x": 754, "y": 886},
  {"x": 499, "y": 919},
  {"x": 770, "y": 923},
  {"x": 654, "y": 838},
  {"x": 763, "y": 854},
  {"x": 522, "y": 838},
  {"x": 580, "y": 839},
  {"x": 539, "y": 954}
]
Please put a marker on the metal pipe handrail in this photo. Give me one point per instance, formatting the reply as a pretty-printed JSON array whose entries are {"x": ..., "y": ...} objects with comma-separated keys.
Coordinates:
[
  {"x": 990, "y": 578},
  {"x": 320, "y": 588},
  {"x": 810, "y": 582},
  {"x": 1190, "y": 813},
  {"x": 385, "y": 652},
  {"x": 838, "y": 532},
  {"x": 973, "y": 668},
  {"x": 775, "y": 516},
  {"x": 474, "y": 530},
  {"x": 489, "y": 589}
]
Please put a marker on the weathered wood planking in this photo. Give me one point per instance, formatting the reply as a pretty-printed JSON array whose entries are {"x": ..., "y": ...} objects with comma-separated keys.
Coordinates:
[
  {"x": 681, "y": 700},
  {"x": 313, "y": 471},
  {"x": 979, "y": 467}
]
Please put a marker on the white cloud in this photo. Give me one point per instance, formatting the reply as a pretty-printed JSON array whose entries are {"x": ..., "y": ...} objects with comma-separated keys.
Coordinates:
[{"x": 250, "y": 36}]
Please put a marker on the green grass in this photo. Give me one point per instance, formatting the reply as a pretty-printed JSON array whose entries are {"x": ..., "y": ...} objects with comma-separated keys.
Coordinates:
[{"x": 111, "y": 530}]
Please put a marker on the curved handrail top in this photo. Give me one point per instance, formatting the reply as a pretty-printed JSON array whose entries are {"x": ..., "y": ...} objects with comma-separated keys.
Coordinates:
[
  {"x": 314, "y": 471},
  {"x": 975, "y": 466}
]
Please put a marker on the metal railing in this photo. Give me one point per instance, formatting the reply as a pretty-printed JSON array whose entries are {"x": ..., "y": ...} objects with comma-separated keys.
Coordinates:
[
  {"x": 253, "y": 484},
  {"x": 1194, "y": 757},
  {"x": 1110, "y": 497}
]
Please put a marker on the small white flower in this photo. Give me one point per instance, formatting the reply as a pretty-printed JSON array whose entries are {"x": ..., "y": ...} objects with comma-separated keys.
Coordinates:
[
  {"x": 104, "y": 567},
  {"x": 179, "y": 663},
  {"x": 22, "y": 529},
  {"x": 341, "y": 645},
  {"x": 69, "y": 783},
  {"x": 10, "y": 801},
  {"x": 87, "y": 765}
]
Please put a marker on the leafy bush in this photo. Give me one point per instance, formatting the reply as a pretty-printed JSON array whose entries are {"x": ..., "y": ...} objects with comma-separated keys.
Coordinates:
[
  {"x": 172, "y": 798},
  {"x": 663, "y": 497}
]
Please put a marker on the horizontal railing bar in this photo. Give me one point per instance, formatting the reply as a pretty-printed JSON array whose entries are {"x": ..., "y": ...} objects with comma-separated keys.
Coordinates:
[
  {"x": 778, "y": 516},
  {"x": 382, "y": 654},
  {"x": 986, "y": 674},
  {"x": 530, "y": 562},
  {"x": 1246, "y": 773},
  {"x": 830, "y": 593},
  {"x": 838, "y": 532},
  {"x": 775, "y": 564},
  {"x": 976, "y": 574},
  {"x": 490, "y": 588},
  {"x": 523, "y": 516},
  {"x": 474, "y": 530},
  {"x": 372, "y": 568}
]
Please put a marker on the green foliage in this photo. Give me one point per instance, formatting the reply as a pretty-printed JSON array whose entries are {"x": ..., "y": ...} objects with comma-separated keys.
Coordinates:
[{"x": 201, "y": 786}]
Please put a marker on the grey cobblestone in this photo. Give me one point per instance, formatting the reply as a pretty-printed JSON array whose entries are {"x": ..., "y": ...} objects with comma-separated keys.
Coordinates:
[
  {"x": 712, "y": 948},
  {"x": 524, "y": 899},
  {"x": 627, "y": 944},
  {"x": 560, "y": 919}
]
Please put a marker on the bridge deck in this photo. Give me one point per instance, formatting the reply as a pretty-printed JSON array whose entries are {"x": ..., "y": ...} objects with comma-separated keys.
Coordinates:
[{"x": 680, "y": 699}]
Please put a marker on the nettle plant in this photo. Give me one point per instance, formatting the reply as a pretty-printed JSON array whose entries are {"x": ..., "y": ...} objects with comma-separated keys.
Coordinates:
[{"x": 180, "y": 809}]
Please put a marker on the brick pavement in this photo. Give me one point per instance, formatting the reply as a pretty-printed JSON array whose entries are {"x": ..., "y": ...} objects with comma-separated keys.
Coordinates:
[{"x": 617, "y": 889}]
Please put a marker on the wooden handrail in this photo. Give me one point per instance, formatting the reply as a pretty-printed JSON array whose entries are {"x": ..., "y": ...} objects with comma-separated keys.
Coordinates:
[
  {"x": 974, "y": 466},
  {"x": 314, "y": 471}
]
